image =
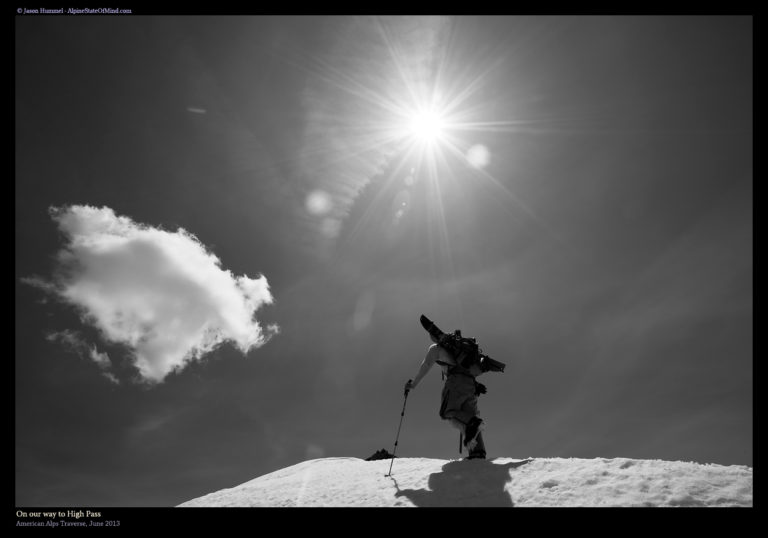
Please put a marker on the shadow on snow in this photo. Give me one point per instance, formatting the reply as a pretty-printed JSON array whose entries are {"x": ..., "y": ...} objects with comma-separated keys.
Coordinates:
[{"x": 465, "y": 483}]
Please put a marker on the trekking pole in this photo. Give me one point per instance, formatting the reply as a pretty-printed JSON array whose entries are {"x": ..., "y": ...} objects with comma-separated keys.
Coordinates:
[{"x": 405, "y": 401}]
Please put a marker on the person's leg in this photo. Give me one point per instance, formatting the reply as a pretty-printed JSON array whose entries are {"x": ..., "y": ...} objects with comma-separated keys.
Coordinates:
[
  {"x": 472, "y": 431},
  {"x": 459, "y": 407},
  {"x": 479, "y": 449}
]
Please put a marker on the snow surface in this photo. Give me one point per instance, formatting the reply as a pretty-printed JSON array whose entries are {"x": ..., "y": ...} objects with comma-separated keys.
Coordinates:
[{"x": 540, "y": 482}]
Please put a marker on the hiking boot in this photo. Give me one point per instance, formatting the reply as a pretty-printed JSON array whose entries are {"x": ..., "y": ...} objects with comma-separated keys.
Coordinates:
[
  {"x": 474, "y": 426},
  {"x": 476, "y": 456}
]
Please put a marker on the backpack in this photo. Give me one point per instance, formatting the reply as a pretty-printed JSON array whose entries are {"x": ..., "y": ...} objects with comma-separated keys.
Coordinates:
[{"x": 464, "y": 351}]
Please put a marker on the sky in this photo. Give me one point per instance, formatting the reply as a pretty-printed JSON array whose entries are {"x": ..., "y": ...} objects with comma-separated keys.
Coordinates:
[
  {"x": 501, "y": 483},
  {"x": 227, "y": 227}
]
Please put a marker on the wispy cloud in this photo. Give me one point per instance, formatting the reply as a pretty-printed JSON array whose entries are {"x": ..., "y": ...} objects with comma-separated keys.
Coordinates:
[
  {"x": 75, "y": 342},
  {"x": 160, "y": 293},
  {"x": 38, "y": 282}
]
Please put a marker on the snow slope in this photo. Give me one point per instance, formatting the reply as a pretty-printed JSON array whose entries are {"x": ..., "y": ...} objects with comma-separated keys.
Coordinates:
[{"x": 499, "y": 482}]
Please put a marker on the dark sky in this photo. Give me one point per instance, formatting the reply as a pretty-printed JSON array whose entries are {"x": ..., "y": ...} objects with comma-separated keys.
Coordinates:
[{"x": 603, "y": 251}]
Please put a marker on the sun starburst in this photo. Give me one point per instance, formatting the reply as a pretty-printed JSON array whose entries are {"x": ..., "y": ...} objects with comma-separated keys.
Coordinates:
[{"x": 426, "y": 126}]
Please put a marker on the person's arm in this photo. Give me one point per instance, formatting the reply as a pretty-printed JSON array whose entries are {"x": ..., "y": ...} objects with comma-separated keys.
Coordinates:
[{"x": 426, "y": 365}]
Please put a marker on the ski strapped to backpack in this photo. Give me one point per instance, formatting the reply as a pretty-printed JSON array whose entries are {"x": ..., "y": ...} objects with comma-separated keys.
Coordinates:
[{"x": 465, "y": 351}]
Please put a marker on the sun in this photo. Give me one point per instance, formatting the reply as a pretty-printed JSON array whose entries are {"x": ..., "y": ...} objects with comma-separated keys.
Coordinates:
[{"x": 426, "y": 126}]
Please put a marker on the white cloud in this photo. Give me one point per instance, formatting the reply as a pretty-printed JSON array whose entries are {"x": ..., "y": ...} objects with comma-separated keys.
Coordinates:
[
  {"x": 70, "y": 338},
  {"x": 160, "y": 293},
  {"x": 111, "y": 377},
  {"x": 102, "y": 359}
]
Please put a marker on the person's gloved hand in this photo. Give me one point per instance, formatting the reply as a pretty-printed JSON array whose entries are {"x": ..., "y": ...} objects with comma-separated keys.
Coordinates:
[
  {"x": 408, "y": 386},
  {"x": 480, "y": 388}
]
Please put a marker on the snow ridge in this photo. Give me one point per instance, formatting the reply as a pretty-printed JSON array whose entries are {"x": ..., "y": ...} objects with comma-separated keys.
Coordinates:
[{"x": 506, "y": 482}]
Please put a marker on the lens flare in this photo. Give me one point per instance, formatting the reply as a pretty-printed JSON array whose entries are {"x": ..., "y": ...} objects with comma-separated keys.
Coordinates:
[{"x": 478, "y": 156}]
